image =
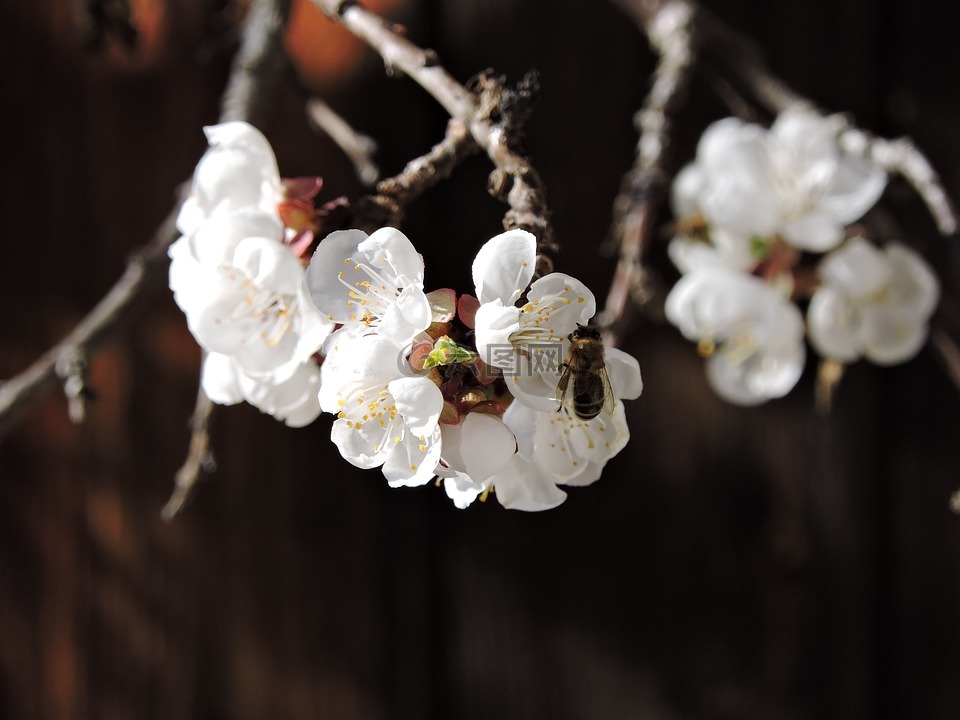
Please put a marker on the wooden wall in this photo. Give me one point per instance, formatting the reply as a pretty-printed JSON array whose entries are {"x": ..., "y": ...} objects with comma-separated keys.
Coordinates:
[{"x": 741, "y": 564}]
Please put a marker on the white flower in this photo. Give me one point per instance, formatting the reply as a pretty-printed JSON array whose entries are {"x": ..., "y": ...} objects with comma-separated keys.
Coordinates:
[
  {"x": 752, "y": 335},
  {"x": 244, "y": 294},
  {"x": 293, "y": 400},
  {"x": 874, "y": 303},
  {"x": 553, "y": 447},
  {"x": 384, "y": 418},
  {"x": 528, "y": 343},
  {"x": 794, "y": 181},
  {"x": 370, "y": 284},
  {"x": 238, "y": 171},
  {"x": 473, "y": 451},
  {"x": 556, "y": 448}
]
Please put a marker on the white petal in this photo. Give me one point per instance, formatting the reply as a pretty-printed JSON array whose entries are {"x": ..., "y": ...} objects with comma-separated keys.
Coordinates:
[
  {"x": 833, "y": 324},
  {"x": 522, "y": 421},
  {"x": 856, "y": 186},
  {"x": 504, "y": 266},
  {"x": 486, "y": 445},
  {"x": 411, "y": 462},
  {"x": 708, "y": 303},
  {"x": 768, "y": 374},
  {"x": 858, "y": 269},
  {"x": 725, "y": 250},
  {"x": 408, "y": 316},
  {"x": 624, "y": 373},
  {"x": 390, "y": 251},
  {"x": 534, "y": 390},
  {"x": 451, "y": 436},
  {"x": 360, "y": 447},
  {"x": 217, "y": 239},
  {"x": 269, "y": 265},
  {"x": 462, "y": 489},
  {"x": 312, "y": 326},
  {"x": 293, "y": 400},
  {"x": 336, "y": 254},
  {"x": 522, "y": 486},
  {"x": 555, "y": 451},
  {"x": 915, "y": 284},
  {"x": 219, "y": 379},
  {"x": 570, "y": 301},
  {"x": 238, "y": 170},
  {"x": 685, "y": 192},
  {"x": 494, "y": 325},
  {"x": 816, "y": 231},
  {"x": 889, "y": 339},
  {"x": 419, "y": 401}
]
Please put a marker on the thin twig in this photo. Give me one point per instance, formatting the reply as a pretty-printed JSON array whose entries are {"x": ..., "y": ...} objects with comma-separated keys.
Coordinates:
[
  {"x": 902, "y": 157},
  {"x": 514, "y": 179},
  {"x": 643, "y": 190},
  {"x": 393, "y": 194},
  {"x": 199, "y": 458},
  {"x": 143, "y": 275},
  {"x": 359, "y": 148},
  {"x": 948, "y": 353}
]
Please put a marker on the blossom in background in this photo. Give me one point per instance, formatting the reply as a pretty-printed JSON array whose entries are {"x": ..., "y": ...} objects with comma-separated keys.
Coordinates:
[
  {"x": 241, "y": 286},
  {"x": 252, "y": 304},
  {"x": 238, "y": 171},
  {"x": 873, "y": 303},
  {"x": 793, "y": 181},
  {"x": 370, "y": 284},
  {"x": 529, "y": 342},
  {"x": 751, "y": 334},
  {"x": 293, "y": 400}
]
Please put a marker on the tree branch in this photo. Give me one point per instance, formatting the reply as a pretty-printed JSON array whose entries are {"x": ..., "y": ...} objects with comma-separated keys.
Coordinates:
[
  {"x": 514, "y": 179},
  {"x": 387, "y": 206},
  {"x": 670, "y": 28},
  {"x": 359, "y": 148},
  {"x": 143, "y": 275}
]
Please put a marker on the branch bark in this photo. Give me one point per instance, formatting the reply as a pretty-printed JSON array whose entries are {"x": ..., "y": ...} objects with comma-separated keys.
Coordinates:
[
  {"x": 670, "y": 28},
  {"x": 386, "y": 207},
  {"x": 514, "y": 179}
]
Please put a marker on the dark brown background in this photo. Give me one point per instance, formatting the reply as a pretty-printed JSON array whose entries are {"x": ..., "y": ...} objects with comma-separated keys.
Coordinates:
[{"x": 731, "y": 563}]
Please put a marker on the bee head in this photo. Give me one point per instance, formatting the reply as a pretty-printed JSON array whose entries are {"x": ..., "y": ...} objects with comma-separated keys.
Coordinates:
[{"x": 583, "y": 332}]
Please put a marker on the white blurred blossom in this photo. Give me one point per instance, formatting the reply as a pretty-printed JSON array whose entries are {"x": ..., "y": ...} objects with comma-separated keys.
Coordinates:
[
  {"x": 873, "y": 303},
  {"x": 751, "y": 334},
  {"x": 793, "y": 180},
  {"x": 241, "y": 287}
]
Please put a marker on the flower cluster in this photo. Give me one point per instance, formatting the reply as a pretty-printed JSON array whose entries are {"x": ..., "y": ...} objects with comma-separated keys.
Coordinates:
[
  {"x": 755, "y": 210},
  {"x": 462, "y": 388},
  {"x": 238, "y": 275},
  {"x": 424, "y": 385}
]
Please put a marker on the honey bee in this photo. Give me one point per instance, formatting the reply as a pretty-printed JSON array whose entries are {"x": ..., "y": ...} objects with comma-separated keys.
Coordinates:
[{"x": 589, "y": 394}]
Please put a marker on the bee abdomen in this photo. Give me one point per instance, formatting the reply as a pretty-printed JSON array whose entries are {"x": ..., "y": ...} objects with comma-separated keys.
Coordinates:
[{"x": 587, "y": 407}]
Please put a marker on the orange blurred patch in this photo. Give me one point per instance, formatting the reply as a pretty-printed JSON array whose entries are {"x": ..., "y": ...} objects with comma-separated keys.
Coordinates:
[
  {"x": 322, "y": 49},
  {"x": 148, "y": 17}
]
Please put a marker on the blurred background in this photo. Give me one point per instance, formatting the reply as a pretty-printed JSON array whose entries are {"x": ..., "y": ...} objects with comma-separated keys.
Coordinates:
[{"x": 731, "y": 563}]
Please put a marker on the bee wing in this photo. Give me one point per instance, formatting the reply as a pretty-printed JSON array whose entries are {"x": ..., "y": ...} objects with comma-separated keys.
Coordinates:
[
  {"x": 609, "y": 399},
  {"x": 565, "y": 388}
]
